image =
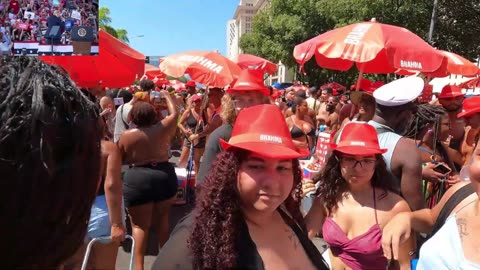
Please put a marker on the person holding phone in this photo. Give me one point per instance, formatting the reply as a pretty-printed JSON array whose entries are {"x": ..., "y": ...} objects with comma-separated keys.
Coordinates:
[
  {"x": 150, "y": 182},
  {"x": 430, "y": 128}
]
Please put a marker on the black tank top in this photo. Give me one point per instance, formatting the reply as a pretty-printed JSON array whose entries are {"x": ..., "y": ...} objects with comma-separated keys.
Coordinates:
[
  {"x": 249, "y": 258},
  {"x": 192, "y": 123}
]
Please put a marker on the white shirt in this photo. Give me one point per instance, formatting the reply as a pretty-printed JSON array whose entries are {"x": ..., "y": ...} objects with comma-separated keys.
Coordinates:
[{"x": 444, "y": 250}]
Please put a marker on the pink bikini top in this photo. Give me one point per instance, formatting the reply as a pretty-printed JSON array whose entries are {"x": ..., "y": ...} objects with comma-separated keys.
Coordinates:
[{"x": 363, "y": 251}]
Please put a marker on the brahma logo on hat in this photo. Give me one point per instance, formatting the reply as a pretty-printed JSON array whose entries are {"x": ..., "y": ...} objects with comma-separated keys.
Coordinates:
[
  {"x": 399, "y": 92},
  {"x": 470, "y": 106},
  {"x": 358, "y": 138},
  {"x": 451, "y": 91},
  {"x": 253, "y": 131},
  {"x": 250, "y": 80}
]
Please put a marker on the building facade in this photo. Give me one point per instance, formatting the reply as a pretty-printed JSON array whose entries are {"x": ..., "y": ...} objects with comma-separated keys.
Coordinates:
[{"x": 242, "y": 23}]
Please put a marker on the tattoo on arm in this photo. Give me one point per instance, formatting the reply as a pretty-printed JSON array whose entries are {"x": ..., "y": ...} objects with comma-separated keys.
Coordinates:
[
  {"x": 292, "y": 237},
  {"x": 462, "y": 227}
]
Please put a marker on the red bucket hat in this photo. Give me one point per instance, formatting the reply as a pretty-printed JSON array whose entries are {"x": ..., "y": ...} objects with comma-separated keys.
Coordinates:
[
  {"x": 253, "y": 131},
  {"x": 190, "y": 83},
  {"x": 358, "y": 138},
  {"x": 196, "y": 98},
  {"x": 451, "y": 91},
  {"x": 250, "y": 80},
  {"x": 470, "y": 106}
]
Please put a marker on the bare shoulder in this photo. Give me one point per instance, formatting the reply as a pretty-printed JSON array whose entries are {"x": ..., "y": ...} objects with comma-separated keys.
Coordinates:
[
  {"x": 110, "y": 147},
  {"x": 407, "y": 142},
  {"x": 398, "y": 203}
]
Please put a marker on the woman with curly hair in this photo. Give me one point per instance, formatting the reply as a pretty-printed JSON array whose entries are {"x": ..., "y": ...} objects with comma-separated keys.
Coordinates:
[
  {"x": 354, "y": 201},
  {"x": 247, "y": 215}
]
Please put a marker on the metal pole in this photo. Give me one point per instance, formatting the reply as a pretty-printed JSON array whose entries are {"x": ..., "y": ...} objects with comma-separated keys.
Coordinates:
[{"x": 432, "y": 21}]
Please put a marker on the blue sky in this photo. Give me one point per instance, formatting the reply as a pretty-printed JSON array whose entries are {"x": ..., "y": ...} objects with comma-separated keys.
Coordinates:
[{"x": 172, "y": 26}]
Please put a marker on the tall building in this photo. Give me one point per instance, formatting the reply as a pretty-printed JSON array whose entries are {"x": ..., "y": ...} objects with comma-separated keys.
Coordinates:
[{"x": 242, "y": 23}]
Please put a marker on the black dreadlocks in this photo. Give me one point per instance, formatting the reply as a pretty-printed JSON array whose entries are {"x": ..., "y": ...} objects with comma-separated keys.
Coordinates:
[
  {"x": 49, "y": 162},
  {"x": 428, "y": 114}
]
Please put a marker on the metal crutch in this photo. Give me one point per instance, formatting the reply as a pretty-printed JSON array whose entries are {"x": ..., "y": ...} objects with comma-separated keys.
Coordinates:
[{"x": 106, "y": 239}]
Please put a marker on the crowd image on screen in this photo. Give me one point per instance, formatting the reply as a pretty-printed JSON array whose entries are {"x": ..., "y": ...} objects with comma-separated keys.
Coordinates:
[{"x": 26, "y": 20}]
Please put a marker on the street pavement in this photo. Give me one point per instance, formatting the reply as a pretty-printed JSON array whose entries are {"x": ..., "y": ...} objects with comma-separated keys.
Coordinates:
[{"x": 177, "y": 212}]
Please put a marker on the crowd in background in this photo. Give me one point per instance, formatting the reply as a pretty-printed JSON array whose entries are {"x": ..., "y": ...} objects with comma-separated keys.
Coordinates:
[{"x": 26, "y": 20}]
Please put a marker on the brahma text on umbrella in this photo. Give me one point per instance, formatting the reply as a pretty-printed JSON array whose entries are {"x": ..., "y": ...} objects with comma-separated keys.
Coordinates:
[
  {"x": 357, "y": 34},
  {"x": 202, "y": 61},
  {"x": 410, "y": 64}
]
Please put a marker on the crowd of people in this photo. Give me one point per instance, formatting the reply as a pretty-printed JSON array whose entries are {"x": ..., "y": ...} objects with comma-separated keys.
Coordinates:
[
  {"x": 389, "y": 195},
  {"x": 28, "y": 20}
]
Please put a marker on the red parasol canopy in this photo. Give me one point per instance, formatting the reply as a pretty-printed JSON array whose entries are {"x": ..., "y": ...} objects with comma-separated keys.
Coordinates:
[
  {"x": 206, "y": 67},
  {"x": 152, "y": 72},
  {"x": 117, "y": 65},
  {"x": 255, "y": 62},
  {"x": 454, "y": 64},
  {"x": 335, "y": 86},
  {"x": 374, "y": 47}
]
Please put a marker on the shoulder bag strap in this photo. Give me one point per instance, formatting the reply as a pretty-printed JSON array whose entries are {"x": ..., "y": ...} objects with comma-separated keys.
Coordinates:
[{"x": 452, "y": 202}]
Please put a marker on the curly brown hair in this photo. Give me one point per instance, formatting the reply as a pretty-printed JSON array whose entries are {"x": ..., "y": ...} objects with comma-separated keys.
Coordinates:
[
  {"x": 332, "y": 185},
  {"x": 218, "y": 216}
]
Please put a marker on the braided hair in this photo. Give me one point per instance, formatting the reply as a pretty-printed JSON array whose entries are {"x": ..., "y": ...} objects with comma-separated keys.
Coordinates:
[
  {"x": 426, "y": 114},
  {"x": 49, "y": 164}
]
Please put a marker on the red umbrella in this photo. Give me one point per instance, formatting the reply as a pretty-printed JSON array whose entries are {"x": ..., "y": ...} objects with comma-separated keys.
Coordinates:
[
  {"x": 117, "y": 65},
  {"x": 206, "y": 67},
  {"x": 255, "y": 62},
  {"x": 152, "y": 72},
  {"x": 473, "y": 83},
  {"x": 374, "y": 47},
  {"x": 334, "y": 85},
  {"x": 454, "y": 64}
]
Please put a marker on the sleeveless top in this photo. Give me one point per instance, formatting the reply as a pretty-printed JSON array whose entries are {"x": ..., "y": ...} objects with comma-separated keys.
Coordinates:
[
  {"x": 388, "y": 139},
  {"x": 363, "y": 251},
  {"x": 444, "y": 251},
  {"x": 249, "y": 258}
]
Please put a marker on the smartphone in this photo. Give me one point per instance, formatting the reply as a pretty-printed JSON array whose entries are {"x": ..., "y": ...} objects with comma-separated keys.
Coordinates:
[
  {"x": 442, "y": 168},
  {"x": 157, "y": 95}
]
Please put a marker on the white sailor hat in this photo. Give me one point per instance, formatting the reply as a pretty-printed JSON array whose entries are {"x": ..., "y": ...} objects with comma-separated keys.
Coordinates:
[{"x": 399, "y": 92}]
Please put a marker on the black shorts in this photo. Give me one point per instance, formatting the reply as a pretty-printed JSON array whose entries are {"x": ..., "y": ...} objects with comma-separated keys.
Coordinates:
[
  {"x": 154, "y": 182},
  {"x": 200, "y": 145}
]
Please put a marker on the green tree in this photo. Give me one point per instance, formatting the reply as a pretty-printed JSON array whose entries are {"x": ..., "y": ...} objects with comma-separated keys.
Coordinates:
[{"x": 105, "y": 20}]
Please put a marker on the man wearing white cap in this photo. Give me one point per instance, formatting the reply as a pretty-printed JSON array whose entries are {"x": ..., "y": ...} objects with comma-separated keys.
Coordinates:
[{"x": 395, "y": 107}]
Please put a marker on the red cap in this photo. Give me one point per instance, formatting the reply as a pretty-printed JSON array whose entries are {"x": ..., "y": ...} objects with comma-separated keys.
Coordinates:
[
  {"x": 190, "y": 83},
  {"x": 253, "y": 131},
  {"x": 357, "y": 139},
  {"x": 451, "y": 91},
  {"x": 470, "y": 106},
  {"x": 196, "y": 98},
  {"x": 250, "y": 80}
]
